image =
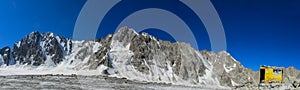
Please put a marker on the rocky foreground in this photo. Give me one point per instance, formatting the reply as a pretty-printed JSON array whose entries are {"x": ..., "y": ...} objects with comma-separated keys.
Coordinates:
[{"x": 78, "y": 82}]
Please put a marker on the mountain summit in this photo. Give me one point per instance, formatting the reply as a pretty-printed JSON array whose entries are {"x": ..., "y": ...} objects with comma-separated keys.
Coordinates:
[{"x": 36, "y": 49}]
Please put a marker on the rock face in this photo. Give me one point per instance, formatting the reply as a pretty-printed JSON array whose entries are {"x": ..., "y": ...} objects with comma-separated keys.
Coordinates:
[
  {"x": 35, "y": 49},
  {"x": 228, "y": 70},
  {"x": 5, "y": 55},
  {"x": 144, "y": 57},
  {"x": 150, "y": 54},
  {"x": 136, "y": 57},
  {"x": 291, "y": 75}
]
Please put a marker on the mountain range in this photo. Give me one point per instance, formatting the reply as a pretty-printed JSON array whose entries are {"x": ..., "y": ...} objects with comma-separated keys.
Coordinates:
[{"x": 140, "y": 57}]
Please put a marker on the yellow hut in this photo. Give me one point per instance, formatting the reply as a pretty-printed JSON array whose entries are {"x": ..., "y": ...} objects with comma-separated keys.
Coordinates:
[{"x": 270, "y": 74}]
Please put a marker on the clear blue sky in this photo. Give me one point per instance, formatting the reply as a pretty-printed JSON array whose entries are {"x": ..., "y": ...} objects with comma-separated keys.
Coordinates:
[{"x": 258, "y": 32}]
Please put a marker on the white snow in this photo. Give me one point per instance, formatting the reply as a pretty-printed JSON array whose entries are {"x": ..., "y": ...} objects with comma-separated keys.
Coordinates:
[
  {"x": 206, "y": 63},
  {"x": 7, "y": 49},
  {"x": 144, "y": 34},
  {"x": 153, "y": 38},
  {"x": 78, "y": 42},
  {"x": 49, "y": 61},
  {"x": 19, "y": 44},
  {"x": 96, "y": 47},
  {"x": 1, "y": 60},
  {"x": 229, "y": 68},
  {"x": 134, "y": 31},
  {"x": 234, "y": 83},
  {"x": 234, "y": 59},
  {"x": 79, "y": 60},
  {"x": 57, "y": 38},
  {"x": 228, "y": 54},
  {"x": 43, "y": 70},
  {"x": 110, "y": 35},
  {"x": 208, "y": 79},
  {"x": 51, "y": 35}
]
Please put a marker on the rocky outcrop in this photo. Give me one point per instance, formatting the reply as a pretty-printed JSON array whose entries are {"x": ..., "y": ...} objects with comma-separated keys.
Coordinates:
[
  {"x": 229, "y": 71},
  {"x": 290, "y": 75},
  {"x": 5, "y": 55},
  {"x": 36, "y": 48},
  {"x": 89, "y": 54}
]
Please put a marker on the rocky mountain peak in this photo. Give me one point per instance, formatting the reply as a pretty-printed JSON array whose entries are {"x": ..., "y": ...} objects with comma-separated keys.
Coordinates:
[
  {"x": 48, "y": 35},
  {"x": 124, "y": 35},
  {"x": 35, "y": 49},
  {"x": 32, "y": 37}
]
